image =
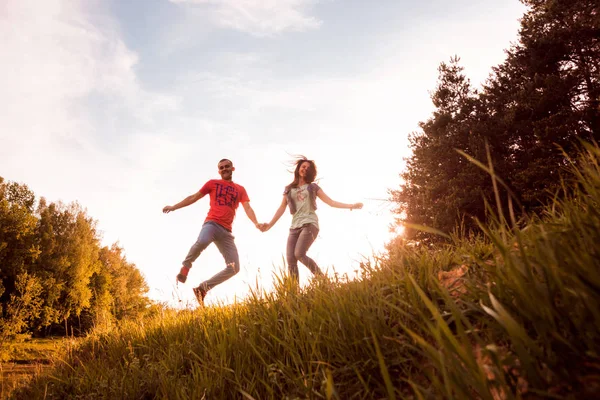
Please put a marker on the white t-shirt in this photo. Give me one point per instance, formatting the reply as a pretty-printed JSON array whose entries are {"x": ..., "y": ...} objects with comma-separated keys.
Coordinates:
[{"x": 304, "y": 212}]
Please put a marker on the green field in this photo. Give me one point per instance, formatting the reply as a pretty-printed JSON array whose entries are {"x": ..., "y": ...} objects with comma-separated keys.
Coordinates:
[{"x": 514, "y": 314}]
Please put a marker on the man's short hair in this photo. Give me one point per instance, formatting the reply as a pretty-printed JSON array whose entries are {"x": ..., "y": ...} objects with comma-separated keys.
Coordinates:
[{"x": 225, "y": 159}]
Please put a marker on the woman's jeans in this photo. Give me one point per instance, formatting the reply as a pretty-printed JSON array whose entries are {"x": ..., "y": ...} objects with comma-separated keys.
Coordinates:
[
  {"x": 299, "y": 241},
  {"x": 224, "y": 240}
]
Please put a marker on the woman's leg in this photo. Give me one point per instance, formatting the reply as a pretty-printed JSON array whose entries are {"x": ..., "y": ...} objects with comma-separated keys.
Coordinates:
[
  {"x": 290, "y": 250},
  {"x": 307, "y": 236}
]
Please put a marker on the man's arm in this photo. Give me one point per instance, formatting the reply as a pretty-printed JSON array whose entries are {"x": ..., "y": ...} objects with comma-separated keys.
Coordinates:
[
  {"x": 191, "y": 199},
  {"x": 250, "y": 213}
]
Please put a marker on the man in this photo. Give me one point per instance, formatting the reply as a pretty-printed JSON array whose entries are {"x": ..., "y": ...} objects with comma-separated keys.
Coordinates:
[{"x": 225, "y": 196}]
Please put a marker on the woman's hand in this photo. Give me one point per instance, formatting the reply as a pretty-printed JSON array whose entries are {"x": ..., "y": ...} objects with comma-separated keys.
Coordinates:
[
  {"x": 357, "y": 206},
  {"x": 263, "y": 227}
]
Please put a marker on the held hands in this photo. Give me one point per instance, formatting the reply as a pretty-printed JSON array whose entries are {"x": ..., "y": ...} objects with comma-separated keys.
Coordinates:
[{"x": 263, "y": 227}]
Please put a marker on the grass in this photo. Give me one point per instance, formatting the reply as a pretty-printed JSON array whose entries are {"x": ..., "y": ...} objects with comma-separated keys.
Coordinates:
[
  {"x": 513, "y": 314},
  {"x": 24, "y": 349},
  {"x": 23, "y": 357}
]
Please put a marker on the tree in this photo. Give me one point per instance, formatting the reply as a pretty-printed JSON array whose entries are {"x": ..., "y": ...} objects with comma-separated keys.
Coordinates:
[
  {"x": 127, "y": 286},
  {"x": 440, "y": 186},
  {"x": 99, "y": 314},
  {"x": 566, "y": 35},
  {"x": 23, "y": 307},
  {"x": 531, "y": 114},
  {"x": 545, "y": 96},
  {"x": 69, "y": 256},
  {"x": 53, "y": 272},
  {"x": 17, "y": 236},
  {"x": 118, "y": 291}
]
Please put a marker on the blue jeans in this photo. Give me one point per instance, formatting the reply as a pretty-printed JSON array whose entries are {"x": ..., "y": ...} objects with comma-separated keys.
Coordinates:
[
  {"x": 299, "y": 241},
  {"x": 224, "y": 240}
]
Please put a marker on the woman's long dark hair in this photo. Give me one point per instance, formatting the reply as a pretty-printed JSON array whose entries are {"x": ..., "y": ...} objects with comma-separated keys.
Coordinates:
[{"x": 311, "y": 173}]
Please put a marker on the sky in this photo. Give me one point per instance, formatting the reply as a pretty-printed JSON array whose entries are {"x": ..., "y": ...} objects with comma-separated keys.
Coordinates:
[{"x": 126, "y": 106}]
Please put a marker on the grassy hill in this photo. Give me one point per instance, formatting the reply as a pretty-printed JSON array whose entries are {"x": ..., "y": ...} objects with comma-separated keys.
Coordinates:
[{"x": 514, "y": 314}]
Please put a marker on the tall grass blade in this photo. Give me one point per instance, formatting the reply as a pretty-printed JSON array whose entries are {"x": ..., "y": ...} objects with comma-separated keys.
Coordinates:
[{"x": 383, "y": 368}]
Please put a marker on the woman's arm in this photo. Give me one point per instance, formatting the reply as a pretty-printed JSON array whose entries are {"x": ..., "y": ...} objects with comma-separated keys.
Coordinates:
[
  {"x": 336, "y": 204},
  {"x": 278, "y": 214}
]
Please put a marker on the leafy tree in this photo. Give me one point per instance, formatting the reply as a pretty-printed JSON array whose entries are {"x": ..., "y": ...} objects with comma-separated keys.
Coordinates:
[
  {"x": 69, "y": 256},
  {"x": 118, "y": 291},
  {"x": 17, "y": 235},
  {"x": 127, "y": 286},
  {"x": 100, "y": 313},
  {"x": 23, "y": 307},
  {"x": 53, "y": 272},
  {"x": 17, "y": 224}
]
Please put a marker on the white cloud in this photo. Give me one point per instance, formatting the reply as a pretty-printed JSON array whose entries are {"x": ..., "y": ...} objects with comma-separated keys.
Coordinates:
[
  {"x": 75, "y": 122},
  {"x": 54, "y": 56},
  {"x": 259, "y": 17}
]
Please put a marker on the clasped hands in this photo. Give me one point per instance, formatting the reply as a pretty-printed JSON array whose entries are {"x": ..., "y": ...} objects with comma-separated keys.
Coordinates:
[{"x": 263, "y": 227}]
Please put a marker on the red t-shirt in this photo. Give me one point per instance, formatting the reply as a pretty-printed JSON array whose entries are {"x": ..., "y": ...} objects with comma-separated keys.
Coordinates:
[{"x": 225, "y": 196}]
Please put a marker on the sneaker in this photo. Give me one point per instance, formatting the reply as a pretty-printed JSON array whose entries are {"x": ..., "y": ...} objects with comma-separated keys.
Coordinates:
[
  {"x": 200, "y": 294},
  {"x": 183, "y": 273}
]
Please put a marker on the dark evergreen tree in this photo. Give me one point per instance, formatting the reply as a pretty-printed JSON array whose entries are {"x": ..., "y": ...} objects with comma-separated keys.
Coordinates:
[
  {"x": 544, "y": 97},
  {"x": 441, "y": 188},
  {"x": 532, "y": 113}
]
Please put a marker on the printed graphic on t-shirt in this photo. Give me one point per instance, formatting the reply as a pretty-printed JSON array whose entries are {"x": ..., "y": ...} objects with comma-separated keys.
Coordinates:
[
  {"x": 225, "y": 195},
  {"x": 301, "y": 194},
  {"x": 224, "y": 200}
]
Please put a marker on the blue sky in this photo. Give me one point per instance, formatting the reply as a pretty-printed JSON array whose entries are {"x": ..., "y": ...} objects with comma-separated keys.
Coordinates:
[{"x": 127, "y": 106}]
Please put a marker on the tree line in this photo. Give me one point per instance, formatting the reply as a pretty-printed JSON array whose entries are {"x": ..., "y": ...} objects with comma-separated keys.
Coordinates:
[
  {"x": 55, "y": 278},
  {"x": 525, "y": 122}
]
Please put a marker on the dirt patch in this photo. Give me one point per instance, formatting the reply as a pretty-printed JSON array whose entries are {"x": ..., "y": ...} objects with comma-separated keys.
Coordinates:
[{"x": 453, "y": 280}]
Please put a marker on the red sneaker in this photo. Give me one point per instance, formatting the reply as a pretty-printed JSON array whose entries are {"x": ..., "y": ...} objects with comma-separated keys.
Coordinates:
[
  {"x": 183, "y": 273},
  {"x": 200, "y": 294}
]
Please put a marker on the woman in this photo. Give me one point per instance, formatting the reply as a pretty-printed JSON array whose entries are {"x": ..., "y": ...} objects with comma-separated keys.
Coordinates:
[{"x": 301, "y": 195}]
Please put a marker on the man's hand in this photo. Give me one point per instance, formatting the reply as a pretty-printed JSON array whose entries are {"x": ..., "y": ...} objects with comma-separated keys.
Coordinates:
[
  {"x": 168, "y": 209},
  {"x": 263, "y": 227}
]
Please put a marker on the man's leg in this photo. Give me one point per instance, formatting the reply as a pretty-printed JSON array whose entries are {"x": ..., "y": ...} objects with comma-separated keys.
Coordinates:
[
  {"x": 290, "y": 250},
  {"x": 306, "y": 238},
  {"x": 206, "y": 237},
  {"x": 224, "y": 241}
]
